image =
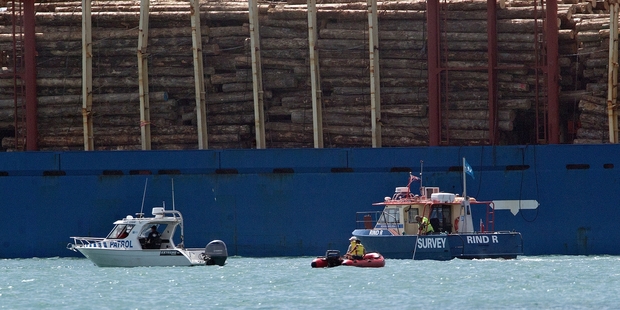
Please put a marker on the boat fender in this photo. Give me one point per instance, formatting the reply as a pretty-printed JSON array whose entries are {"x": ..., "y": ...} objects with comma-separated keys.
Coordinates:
[{"x": 456, "y": 224}]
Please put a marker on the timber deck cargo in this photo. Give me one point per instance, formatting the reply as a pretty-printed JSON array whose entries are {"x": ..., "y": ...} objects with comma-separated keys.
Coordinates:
[{"x": 469, "y": 111}]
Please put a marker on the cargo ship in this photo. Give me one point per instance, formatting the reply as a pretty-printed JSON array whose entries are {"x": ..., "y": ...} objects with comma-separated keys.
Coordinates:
[
  {"x": 297, "y": 202},
  {"x": 278, "y": 147}
]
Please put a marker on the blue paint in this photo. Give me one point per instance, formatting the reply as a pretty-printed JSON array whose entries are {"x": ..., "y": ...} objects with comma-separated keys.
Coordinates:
[{"x": 257, "y": 211}]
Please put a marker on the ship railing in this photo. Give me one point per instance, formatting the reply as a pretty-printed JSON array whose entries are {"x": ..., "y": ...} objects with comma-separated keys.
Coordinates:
[
  {"x": 82, "y": 242},
  {"x": 85, "y": 241},
  {"x": 489, "y": 224},
  {"x": 369, "y": 219}
]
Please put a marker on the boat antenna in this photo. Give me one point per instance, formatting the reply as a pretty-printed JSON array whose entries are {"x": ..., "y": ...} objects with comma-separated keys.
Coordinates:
[
  {"x": 173, "y": 208},
  {"x": 464, "y": 181},
  {"x": 417, "y": 236},
  {"x": 421, "y": 168},
  {"x": 143, "y": 196}
]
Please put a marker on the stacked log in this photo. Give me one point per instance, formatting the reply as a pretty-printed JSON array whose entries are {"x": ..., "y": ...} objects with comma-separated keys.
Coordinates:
[
  {"x": 593, "y": 52},
  {"x": 592, "y": 34},
  {"x": 344, "y": 72},
  {"x": 117, "y": 123},
  {"x": 593, "y": 124},
  {"x": 343, "y": 63}
]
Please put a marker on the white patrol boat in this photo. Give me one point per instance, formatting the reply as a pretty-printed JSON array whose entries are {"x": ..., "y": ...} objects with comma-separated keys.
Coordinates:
[
  {"x": 126, "y": 245},
  {"x": 132, "y": 244}
]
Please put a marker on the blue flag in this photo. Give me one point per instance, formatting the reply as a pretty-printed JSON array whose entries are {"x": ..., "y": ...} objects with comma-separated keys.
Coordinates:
[{"x": 469, "y": 170}]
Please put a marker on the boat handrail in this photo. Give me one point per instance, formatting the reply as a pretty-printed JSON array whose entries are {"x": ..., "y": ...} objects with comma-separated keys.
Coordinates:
[
  {"x": 389, "y": 218},
  {"x": 370, "y": 219},
  {"x": 175, "y": 213},
  {"x": 86, "y": 240},
  {"x": 367, "y": 219}
]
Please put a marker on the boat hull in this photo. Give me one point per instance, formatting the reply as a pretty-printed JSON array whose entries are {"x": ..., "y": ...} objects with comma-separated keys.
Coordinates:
[
  {"x": 41, "y": 190},
  {"x": 138, "y": 258},
  {"x": 444, "y": 246},
  {"x": 372, "y": 260},
  {"x": 324, "y": 262}
]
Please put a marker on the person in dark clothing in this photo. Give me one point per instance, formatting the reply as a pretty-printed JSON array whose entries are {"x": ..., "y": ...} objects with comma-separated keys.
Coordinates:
[{"x": 153, "y": 239}]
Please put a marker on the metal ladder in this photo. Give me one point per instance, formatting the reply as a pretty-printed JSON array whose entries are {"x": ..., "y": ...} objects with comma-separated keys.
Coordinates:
[{"x": 490, "y": 220}]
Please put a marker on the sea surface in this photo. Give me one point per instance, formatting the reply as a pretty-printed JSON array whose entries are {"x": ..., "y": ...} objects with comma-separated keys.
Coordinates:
[{"x": 539, "y": 282}]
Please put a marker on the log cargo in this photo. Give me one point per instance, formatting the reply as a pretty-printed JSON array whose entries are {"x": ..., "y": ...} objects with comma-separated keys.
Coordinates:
[{"x": 342, "y": 48}]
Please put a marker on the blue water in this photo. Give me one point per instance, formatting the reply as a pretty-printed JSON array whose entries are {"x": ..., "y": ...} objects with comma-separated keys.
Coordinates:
[{"x": 558, "y": 282}]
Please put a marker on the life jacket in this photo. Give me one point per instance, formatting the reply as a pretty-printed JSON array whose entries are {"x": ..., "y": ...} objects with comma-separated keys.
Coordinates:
[
  {"x": 351, "y": 246},
  {"x": 426, "y": 225},
  {"x": 358, "y": 250}
]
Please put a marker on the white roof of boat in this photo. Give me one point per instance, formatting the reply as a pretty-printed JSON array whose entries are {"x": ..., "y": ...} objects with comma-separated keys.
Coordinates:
[{"x": 146, "y": 220}]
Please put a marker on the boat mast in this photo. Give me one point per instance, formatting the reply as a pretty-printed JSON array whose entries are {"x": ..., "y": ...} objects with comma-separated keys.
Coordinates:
[
  {"x": 466, "y": 224},
  {"x": 464, "y": 205},
  {"x": 421, "y": 183},
  {"x": 143, "y": 197},
  {"x": 464, "y": 181},
  {"x": 173, "y": 205},
  {"x": 182, "y": 244}
]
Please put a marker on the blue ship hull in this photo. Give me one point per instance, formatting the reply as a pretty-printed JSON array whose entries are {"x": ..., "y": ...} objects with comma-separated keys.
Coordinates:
[
  {"x": 293, "y": 202},
  {"x": 444, "y": 246}
]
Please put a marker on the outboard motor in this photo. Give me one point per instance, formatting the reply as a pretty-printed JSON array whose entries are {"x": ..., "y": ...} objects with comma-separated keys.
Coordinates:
[
  {"x": 215, "y": 253},
  {"x": 333, "y": 258}
]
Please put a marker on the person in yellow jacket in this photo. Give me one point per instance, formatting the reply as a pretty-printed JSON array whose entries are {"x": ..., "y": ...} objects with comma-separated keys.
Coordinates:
[
  {"x": 356, "y": 250},
  {"x": 425, "y": 225}
]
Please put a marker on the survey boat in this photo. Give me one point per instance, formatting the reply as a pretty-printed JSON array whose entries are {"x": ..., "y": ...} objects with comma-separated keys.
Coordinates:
[{"x": 396, "y": 233}]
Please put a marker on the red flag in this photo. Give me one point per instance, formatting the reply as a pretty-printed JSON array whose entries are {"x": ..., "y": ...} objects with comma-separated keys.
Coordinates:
[{"x": 413, "y": 178}]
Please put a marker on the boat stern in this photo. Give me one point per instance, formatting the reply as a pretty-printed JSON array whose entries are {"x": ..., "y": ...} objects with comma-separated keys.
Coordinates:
[{"x": 216, "y": 253}]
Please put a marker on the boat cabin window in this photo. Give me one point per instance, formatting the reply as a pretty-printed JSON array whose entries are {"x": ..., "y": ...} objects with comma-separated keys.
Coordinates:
[
  {"x": 429, "y": 191},
  {"x": 411, "y": 214},
  {"x": 120, "y": 231},
  {"x": 390, "y": 216},
  {"x": 147, "y": 230},
  {"x": 440, "y": 216}
]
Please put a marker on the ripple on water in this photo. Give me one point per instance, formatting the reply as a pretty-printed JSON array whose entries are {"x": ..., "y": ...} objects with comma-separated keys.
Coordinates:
[{"x": 567, "y": 282}]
